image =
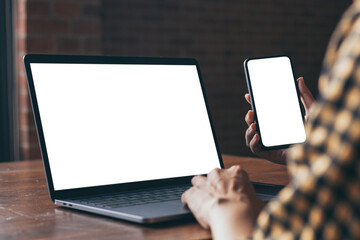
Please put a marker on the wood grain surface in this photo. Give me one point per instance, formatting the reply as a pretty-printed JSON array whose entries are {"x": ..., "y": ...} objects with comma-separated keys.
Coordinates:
[{"x": 26, "y": 211}]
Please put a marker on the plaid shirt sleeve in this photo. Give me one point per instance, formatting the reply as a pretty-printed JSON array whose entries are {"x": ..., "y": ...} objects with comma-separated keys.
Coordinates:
[{"x": 323, "y": 199}]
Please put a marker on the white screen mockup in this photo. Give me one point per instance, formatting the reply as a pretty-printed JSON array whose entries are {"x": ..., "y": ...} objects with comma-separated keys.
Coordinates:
[
  {"x": 117, "y": 123},
  {"x": 276, "y": 101}
]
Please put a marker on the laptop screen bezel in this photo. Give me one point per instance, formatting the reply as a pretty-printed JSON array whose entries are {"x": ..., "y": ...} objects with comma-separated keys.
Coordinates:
[{"x": 81, "y": 59}]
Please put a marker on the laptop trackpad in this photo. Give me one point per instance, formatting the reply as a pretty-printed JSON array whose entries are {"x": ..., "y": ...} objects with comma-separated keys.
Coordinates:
[{"x": 160, "y": 211}]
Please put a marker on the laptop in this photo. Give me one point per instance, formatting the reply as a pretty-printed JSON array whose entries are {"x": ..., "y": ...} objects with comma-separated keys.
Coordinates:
[{"x": 122, "y": 136}]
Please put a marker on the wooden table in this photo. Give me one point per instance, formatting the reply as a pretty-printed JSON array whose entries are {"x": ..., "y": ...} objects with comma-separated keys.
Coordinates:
[{"x": 26, "y": 211}]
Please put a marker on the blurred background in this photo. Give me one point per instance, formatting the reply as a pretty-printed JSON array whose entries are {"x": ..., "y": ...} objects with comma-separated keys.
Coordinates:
[{"x": 219, "y": 34}]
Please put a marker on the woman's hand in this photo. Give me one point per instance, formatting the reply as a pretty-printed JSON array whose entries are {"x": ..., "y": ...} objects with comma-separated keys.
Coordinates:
[
  {"x": 306, "y": 97},
  {"x": 252, "y": 138},
  {"x": 225, "y": 202}
]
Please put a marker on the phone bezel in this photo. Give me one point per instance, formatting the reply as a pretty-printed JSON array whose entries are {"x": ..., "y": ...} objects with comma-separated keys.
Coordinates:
[{"x": 253, "y": 106}]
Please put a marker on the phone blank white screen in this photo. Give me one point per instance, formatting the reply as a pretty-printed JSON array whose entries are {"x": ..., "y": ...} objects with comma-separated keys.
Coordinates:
[
  {"x": 276, "y": 102},
  {"x": 109, "y": 124}
]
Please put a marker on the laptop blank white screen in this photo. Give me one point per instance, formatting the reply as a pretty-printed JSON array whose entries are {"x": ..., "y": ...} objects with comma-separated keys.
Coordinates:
[{"x": 118, "y": 123}]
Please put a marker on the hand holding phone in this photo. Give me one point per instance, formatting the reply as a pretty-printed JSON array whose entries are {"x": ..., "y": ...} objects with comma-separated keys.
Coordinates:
[
  {"x": 275, "y": 101},
  {"x": 252, "y": 140}
]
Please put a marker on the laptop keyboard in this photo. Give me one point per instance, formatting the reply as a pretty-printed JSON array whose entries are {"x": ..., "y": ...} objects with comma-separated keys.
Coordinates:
[{"x": 132, "y": 198}]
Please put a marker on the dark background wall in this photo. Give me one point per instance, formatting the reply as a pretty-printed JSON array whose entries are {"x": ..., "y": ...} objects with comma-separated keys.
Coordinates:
[{"x": 219, "y": 34}]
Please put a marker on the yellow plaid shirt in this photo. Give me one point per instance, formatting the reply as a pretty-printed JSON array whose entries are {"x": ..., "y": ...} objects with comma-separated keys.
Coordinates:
[{"x": 323, "y": 199}]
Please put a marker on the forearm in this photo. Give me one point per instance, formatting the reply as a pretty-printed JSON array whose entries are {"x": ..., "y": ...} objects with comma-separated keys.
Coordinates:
[
  {"x": 232, "y": 221},
  {"x": 225, "y": 228}
]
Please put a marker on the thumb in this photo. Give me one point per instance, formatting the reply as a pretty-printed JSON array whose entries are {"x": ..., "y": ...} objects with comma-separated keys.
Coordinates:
[{"x": 305, "y": 94}]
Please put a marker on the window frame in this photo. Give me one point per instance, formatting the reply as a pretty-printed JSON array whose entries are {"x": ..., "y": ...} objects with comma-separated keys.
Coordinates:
[{"x": 8, "y": 106}]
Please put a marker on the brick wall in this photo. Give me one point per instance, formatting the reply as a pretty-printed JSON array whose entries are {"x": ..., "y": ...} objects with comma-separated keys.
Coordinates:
[
  {"x": 220, "y": 34},
  {"x": 51, "y": 26}
]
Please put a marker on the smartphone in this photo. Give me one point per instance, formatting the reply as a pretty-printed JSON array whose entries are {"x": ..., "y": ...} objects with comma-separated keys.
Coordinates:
[{"x": 275, "y": 101}]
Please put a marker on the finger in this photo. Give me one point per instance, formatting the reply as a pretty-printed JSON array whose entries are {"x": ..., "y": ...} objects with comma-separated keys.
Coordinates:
[
  {"x": 247, "y": 97},
  {"x": 249, "y": 117},
  {"x": 218, "y": 180},
  {"x": 249, "y": 134},
  {"x": 198, "y": 180},
  {"x": 254, "y": 144},
  {"x": 202, "y": 183},
  {"x": 236, "y": 170},
  {"x": 234, "y": 167},
  {"x": 214, "y": 175},
  {"x": 185, "y": 195},
  {"x": 197, "y": 200},
  {"x": 305, "y": 94},
  {"x": 240, "y": 178}
]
